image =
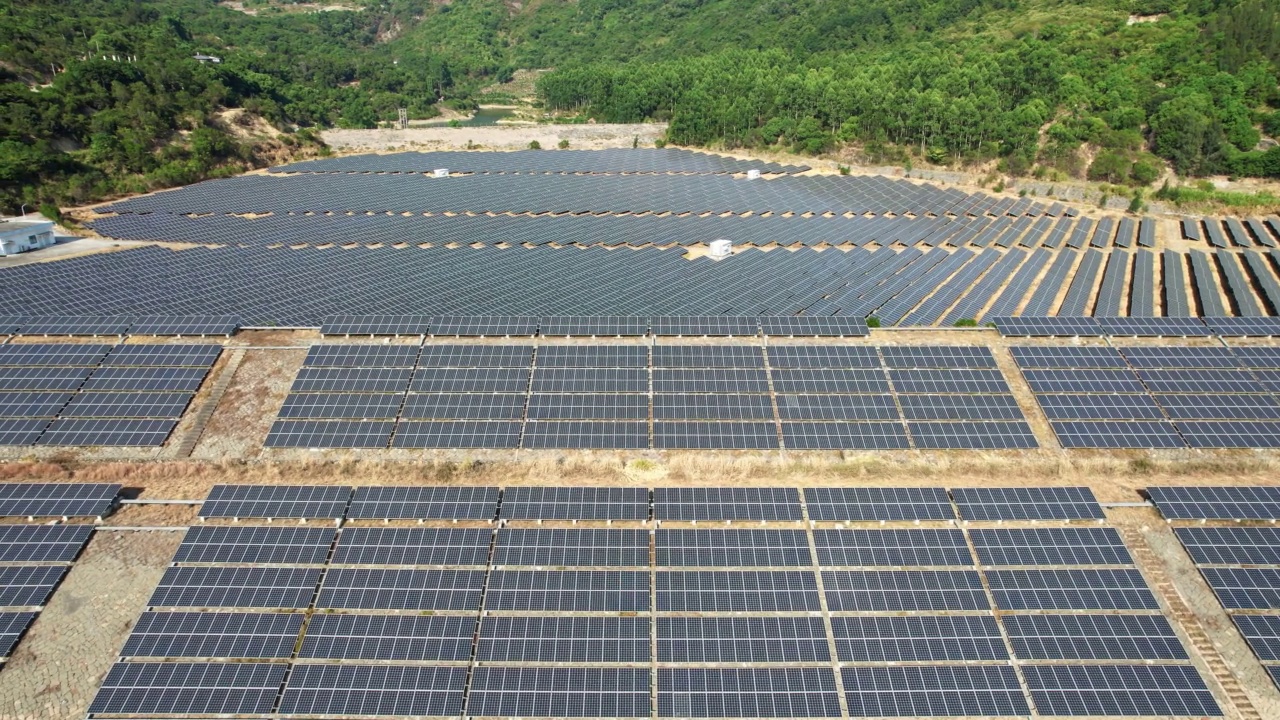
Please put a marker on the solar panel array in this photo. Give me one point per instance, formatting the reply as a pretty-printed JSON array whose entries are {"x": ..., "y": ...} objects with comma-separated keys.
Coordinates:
[
  {"x": 57, "y": 500},
  {"x": 97, "y": 395},
  {"x": 557, "y": 194},
  {"x": 99, "y": 325},
  {"x": 279, "y": 287},
  {"x": 319, "y": 230},
  {"x": 635, "y": 397},
  {"x": 607, "y": 161},
  {"x": 544, "y": 616},
  {"x": 1241, "y": 563},
  {"x": 33, "y": 560},
  {"x": 1228, "y": 232},
  {"x": 1156, "y": 397},
  {"x": 592, "y": 326}
]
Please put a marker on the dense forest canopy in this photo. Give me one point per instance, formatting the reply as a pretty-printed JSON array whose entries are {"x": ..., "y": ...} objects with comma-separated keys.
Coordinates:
[{"x": 1113, "y": 89}]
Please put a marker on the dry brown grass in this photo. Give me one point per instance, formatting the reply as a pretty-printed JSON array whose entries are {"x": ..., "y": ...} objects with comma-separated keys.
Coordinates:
[{"x": 1114, "y": 476}]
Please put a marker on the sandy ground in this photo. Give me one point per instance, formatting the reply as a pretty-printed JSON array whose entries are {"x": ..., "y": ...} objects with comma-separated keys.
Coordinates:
[{"x": 496, "y": 137}]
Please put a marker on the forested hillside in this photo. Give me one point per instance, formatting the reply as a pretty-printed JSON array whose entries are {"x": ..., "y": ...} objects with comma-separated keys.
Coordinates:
[{"x": 1115, "y": 90}]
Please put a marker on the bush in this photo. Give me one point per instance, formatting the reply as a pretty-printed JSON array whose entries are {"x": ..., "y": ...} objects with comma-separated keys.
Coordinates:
[
  {"x": 564, "y": 144},
  {"x": 535, "y": 145},
  {"x": 966, "y": 322},
  {"x": 873, "y": 322},
  {"x": 51, "y": 212},
  {"x": 844, "y": 169},
  {"x": 1144, "y": 173},
  {"x": 1136, "y": 205},
  {"x": 659, "y": 143}
]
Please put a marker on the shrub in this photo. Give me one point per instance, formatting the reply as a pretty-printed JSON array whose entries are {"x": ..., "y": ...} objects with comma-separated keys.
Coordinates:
[
  {"x": 966, "y": 322},
  {"x": 563, "y": 144},
  {"x": 873, "y": 322},
  {"x": 535, "y": 145}
]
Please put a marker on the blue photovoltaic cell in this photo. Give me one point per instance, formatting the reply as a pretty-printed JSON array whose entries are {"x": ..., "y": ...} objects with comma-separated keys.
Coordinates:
[{"x": 872, "y": 503}]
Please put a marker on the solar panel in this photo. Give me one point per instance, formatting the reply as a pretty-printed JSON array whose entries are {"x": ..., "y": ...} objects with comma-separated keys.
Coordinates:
[
  {"x": 586, "y": 434},
  {"x": 1093, "y": 637},
  {"x": 13, "y": 625},
  {"x": 918, "y": 638},
  {"x": 747, "y": 692},
  {"x": 454, "y": 406},
  {"x": 1027, "y": 326},
  {"x": 481, "y": 380},
  {"x": 903, "y": 590},
  {"x": 107, "y": 433},
  {"x": 457, "y": 434},
  {"x": 823, "y": 356},
  {"x": 401, "y": 589},
  {"x": 484, "y": 326},
  {"x": 559, "y": 692},
  {"x": 1050, "y": 546},
  {"x": 1089, "y": 589},
  {"x": 567, "y": 591},
  {"x": 737, "y": 591},
  {"x": 255, "y": 545},
  {"x": 1169, "y": 690},
  {"x": 603, "y": 406},
  {"x": 1245, "y": 588},
  {"x": 804, "y": 326},
  {"x": 575, "y": 503},
  {"x": 120, "y": 379},
  {"x": 22, "y": 431},
  {"x": 1230, "y": 434},
  {"x": 388, "y": 637},
  {"x": 585, "y": 356},
  {"x": 563, "y": 639},
  {"x": 732, "y": 548},
  {"x": 1068, "y": 357},
  {"x": 1243, "y": 326},
  {"x": 742, "y": 639},
  {"x": 376, "y": 325},
  {"x": 705, "y": 326},
  {"x": 213, "y": 635},
  {"x": 933, "y": 690},
  {"x": 201, "y": 356},
  {"x": 418, "y": 690},
  {"x": 1216, "y": 503},
  {"x": 126, "y": 405},
  {"x": 1100, "y": 407},
  {"x": 707, "y": 356},
  {"x": 412, "y": 546},
  {"x": 893, "y": 548},
  {"x": 185, "y": 325},
  {"x": 181, "y": 688},
  {"x": 340, "y": 406},
  {"x": 28, "y": 585},
  {"x": 960, "y": 407},
  {"x": 424, "y": 503},
  {"x": 972, "y": 435},
  {"x": 676, "y": 503},
  {"x": 593, "y": 326},
  {"x": 823, "y": 380},
  {"x": 276, "y": 501},
  {"x": 1231, "y": 545},
  {"x": 937, "y": 356},
  {"x": 715, "y": 435},
  {"x": 236, "y": 587},
  {"x": 1027, "y": 503},
  {"x": 1262, "y": 633},
  {"x": 1117, "y": 434},
  {"x": 32, "y": 404},
  {"x": 475, "y": 356},
  {"x": 92, "y": 325},
  {"x": 571, "y": 548},
  {"x": 587, "y": 380},
  {"x": 872, "y": 503},
  {"x": 841, "y": 435},
  {"x": 57, "y": 499}
]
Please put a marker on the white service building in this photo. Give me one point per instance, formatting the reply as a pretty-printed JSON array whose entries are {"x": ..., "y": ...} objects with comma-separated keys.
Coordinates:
[{"x": 22, "y": 234}]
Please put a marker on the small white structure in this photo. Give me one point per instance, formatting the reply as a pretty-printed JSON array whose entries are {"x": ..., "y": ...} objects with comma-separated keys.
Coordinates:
[
  {"x": 440, "y": 172},
  {"x": 721, "y": 249},
  {"x": 22, "y": 234},
  {"x": 753, "y": 174},
  {"x": 202, "y": 58}
]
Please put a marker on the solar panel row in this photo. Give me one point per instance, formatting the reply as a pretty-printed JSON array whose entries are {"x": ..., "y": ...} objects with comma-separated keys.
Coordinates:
[
  {"x": 274, "y": 287},
  {"x": 698, "y": 396},
  {"x": 667, "y": 503},
  {"x": 82, "y": 394}
]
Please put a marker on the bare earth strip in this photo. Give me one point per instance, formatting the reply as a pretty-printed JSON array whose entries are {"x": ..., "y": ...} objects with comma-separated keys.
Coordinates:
[{"x": 58, "y": 666}]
